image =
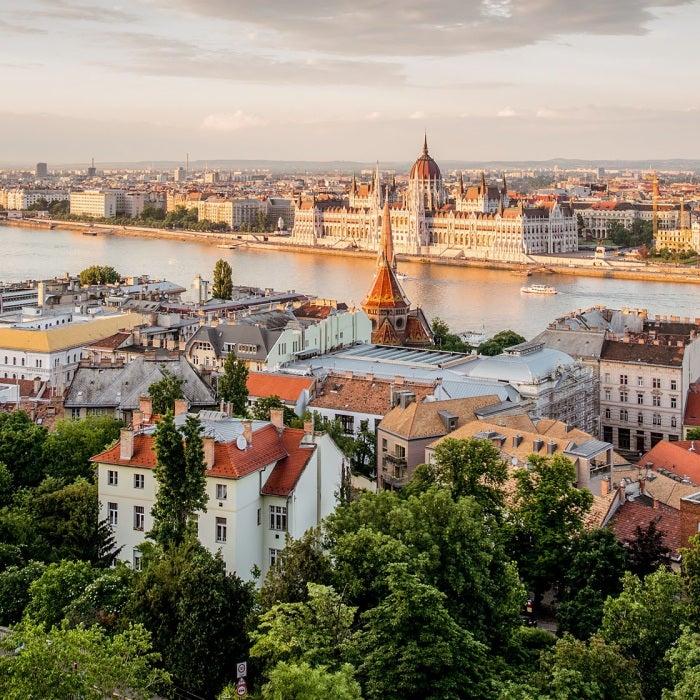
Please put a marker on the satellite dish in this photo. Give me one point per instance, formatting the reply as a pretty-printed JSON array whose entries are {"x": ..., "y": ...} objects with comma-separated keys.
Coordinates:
[
  {"x": 514, "y": 461},
  {"x": 241, "y": 442}
]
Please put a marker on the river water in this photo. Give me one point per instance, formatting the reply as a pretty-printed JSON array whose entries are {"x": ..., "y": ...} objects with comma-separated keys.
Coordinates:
[{"x": 466, "y": 298}]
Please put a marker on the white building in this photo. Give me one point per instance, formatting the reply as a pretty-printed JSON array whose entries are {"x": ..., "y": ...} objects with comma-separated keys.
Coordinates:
[
  {"x": 94, "y": 203},
  {"x": 263, "y": 481},
  {"x": 22, "y": 198}
]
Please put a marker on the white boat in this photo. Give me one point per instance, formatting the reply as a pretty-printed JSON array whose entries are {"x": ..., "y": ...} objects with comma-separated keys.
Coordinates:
[
  {"x": 401, "y": 275},
  {"x": 538, "y": 289}
]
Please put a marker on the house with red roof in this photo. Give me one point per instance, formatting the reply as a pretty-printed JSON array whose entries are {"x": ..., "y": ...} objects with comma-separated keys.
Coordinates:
[
  {"x": 264, "y": 481},
  {"x": 294, "y": 391}
]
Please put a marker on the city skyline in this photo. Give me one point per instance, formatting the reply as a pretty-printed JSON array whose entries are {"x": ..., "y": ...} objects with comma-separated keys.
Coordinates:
[{"x": 489, "y": 80}]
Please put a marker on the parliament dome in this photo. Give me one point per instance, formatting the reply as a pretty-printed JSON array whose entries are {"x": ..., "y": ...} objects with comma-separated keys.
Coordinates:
[{"x": 425, "y": 168}]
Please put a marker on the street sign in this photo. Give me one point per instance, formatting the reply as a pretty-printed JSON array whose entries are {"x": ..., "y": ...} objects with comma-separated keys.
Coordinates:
[
  {"x": 241, "y": 669},
  {"x": 241, "y": 688}
]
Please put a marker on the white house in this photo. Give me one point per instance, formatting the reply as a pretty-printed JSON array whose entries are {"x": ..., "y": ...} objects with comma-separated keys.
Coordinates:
[{"x": 263, "y": 481}]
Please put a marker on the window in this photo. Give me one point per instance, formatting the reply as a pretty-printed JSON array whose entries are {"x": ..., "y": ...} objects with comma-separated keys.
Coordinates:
[
  {"x": 139, "y": 517},
  {"x": 607, "y": 394},
  {"x": 607, "y": 433},
  {"x": 656, "y": 401},
  {"x": 221, "y": 492},
  {"x": 607, "y": 377},
  {"x": 640, "y": 418},
  {"x": 674, "y": 402},
  {"x": 640, "y": 399},
  {"x": 623, "y": 379},
  {"x": 259, "y": 516},
  {"x": 623, "y": 415},
  {"x": 278, "y": 517},
  {"x": 623, "y": 438},
  {"x": 674, "y": 385},
  {"x": 221, "y": 529},
  {"x": 656, "y": 419},
  {"x": 656, "y": 383},
  {"x": 623, "y": 397},
  {"x": 674, "y": 422},
  {"x": 348, "y": 423},
  {"x": 137, "y": 561},
  {"x": 274, "y": 556},
  {"x": 112, "y": 513},
  {"x": 384, "y": 445},
  {"x": 139, "y": 480},
  {"x": 112, "y": 477},
  {"x": 640, "y": 381},
  {"x": 400, "y": 451},
  {"x": 607, "y": 413}
]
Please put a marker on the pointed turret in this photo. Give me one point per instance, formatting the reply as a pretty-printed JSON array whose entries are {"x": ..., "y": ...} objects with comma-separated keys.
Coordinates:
[
  {"x": 504, "y": 188},
  {"x": 425, "y": 144},
  {"x": 387, "y": 240},
  {"x": 482, "y": 187},
  {"x": 461, "y": 184},
  {"x": 353, "y": 187}
]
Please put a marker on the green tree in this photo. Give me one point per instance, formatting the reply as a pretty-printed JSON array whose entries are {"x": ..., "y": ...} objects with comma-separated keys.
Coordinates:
[
  {"x": 67, "y": 450},
  {"x": 547, "y": 514},
  {"x": 647, "y": 551},
  {"x": 223, "y": 284},
  {"x": 301, "y": 562},
  {"x": 5, "y": 485},
  {"x": 14, "y": 590},
  {"x": 684, "y": 657},
  {"x": 618, "y": 234},
  {"x": 196, "y": 613},
  {"x": 364, "y": 453},
  {"x": 180, "y": 472},
  {"x": 165, "y": 392},
  {"x": 85, "y": 663},
  {"x": 444, "y": 340},
  {"x": 152, "y": 212},
  {"x": 260, "y": 410},
  {"x": 314, "y": 631},
  {"x": 693, "y": 434},
  {"x": 691, "y": 578},
  {"x": 598, "y": 562},
  {"x": 499, "y": 342},
  {"x": 99, "y": 274},
  {"x": 469, "y": 467},
  {"x": 645, "y": 621},
  {"x": 304, "y": 682},
  {"x": 59, "y": 207},
  {"x": 58, "y": 586},
  {"x": 594, "y": 669},
  {"x": 41, "y": 204},
  {"x": 233, "y": 384},
  {"x": 410, "y": 647},
  {"x": 21, "y": 448}
]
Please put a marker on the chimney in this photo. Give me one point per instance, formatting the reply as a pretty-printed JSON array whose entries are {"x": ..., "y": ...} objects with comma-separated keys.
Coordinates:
[
  {"x": 277, "y": 418},
  {"x": 248, "y": 431},
  {"x": 209, "y": 446},
  {"x": 181, "y": 406},
  {"x": 137, "y": 418},
  {"x": 308, "y": 427},
  {"x": 146, "y": 407},
  {"x": 517, "y": 439},
  {"x": 604, "y": 488},
  {"x": 551, "y": 447},
  {"x": 37, "y": 385},
  {"x": 126, "y": 443},
  {"x": 537, "y": 444}
]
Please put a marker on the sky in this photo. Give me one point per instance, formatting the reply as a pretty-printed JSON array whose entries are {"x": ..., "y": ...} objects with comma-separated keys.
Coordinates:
[{"x": 360, "y": 80}]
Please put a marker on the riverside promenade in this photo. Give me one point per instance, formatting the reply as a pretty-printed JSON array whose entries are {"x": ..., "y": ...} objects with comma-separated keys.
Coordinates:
[{"x": 582, "y": 264}]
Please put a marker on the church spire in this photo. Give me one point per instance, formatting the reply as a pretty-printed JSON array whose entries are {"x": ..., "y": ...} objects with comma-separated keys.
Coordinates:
[
  {"x": 387, "y": 241},
  {"x": 461, "y": 184},
  {"x": 425, "y": 144},
  {"x": 483, "y": 183}
]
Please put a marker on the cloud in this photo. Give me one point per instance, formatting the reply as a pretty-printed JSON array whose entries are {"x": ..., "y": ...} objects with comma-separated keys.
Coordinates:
[
  {"x": 72, "y": 11},
  {"x": 417, "y": 28},
  {"x": 232, "y": 121},
  {"x": 507, "y": 112},
  {"x": 417, "y": 115},
  {"x": 11, "y": 28},
  {"x": 546, "y": 113},
  {"x": 148, "y": 54}
]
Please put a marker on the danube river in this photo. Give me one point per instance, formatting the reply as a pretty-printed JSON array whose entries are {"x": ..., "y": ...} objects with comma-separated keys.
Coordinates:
[{"x": 466, "y": 298}]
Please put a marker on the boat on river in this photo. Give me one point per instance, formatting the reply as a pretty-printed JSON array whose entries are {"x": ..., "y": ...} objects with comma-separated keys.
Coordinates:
[{"x": 538, "y": 289}]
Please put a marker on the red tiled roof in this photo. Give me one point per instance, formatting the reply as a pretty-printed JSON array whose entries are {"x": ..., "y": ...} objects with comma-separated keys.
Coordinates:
[
  {"x": 638, "y": 512},
  {"x": 680, "y": 458},
  {"x": 692, "y": 409},
  {"x": 265, "y": 448},
  {"x": 286, "y": 387},
  {"x": 287, "y": 471},
  {"x": 110, "y": 343}
]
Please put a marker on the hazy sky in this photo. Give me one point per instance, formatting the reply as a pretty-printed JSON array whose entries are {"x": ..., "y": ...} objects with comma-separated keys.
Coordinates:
[{"x": 352, "y": 79}]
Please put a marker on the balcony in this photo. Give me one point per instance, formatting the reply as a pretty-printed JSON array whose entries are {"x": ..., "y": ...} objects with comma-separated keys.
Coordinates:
[
  {"x": 394, "y": 460},
  {"x": 394, "y": 482}
]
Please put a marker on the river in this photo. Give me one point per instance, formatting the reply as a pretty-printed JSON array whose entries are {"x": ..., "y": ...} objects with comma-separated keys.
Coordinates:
[{"x": 466, "y": 298}]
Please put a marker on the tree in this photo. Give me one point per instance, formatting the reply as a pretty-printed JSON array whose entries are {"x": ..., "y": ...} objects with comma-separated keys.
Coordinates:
[
  {"x": 693, "y": 434},
  {"x": 180, "y": 472},
  {"x": 165, "y": 392},
  {"x": 14, "y": 590},
  {"x": 593, "y": 669},
  {"x": 301, "y": 562},
  {"x": 645, "y": 621},
  {"x": 598, "y": 562},
  {"x": 99, "y": 274},
  {"x": 647, "y": 551},
  {"x": 691, "y": 578},
  {"x": 304, "y": 682},
  {"x": 499, "y": 342},
  {"x": 21, "y": 448},
  {"x": 364, "y": 453},
  {"x": 410, "y": 647},
  {"x": 196, "y": 613},
  {"x": 41, "y": 204},
  {"x": 223, "y": 285},
  {"x": 233, "y": 384},
  {"x": 260, "y": 410},
  {"x": 618, "y": 234},
  {"x": 152, "y": 212},
  {"x": 314, "y": 631},
  {"x": 85, "y": 663},
  {"x": 467, "y": 468},
  {"x": 67, "y": 450},
  {"x": 444, "y": 340},
  {"x": 546, "y": 515},
  {"x": 684, "y": 658}
]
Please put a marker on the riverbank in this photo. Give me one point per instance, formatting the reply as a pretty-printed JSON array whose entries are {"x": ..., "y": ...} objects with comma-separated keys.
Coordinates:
[{"x": 574, "y": 265}]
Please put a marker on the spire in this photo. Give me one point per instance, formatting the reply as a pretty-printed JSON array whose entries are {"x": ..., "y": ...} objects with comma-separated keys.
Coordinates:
[
  {"x": 387, "y": 242},
  {"x": 425, "y": 144},
  {"x": 353, "y": 188},
  {"x": 483, "y": 183},
  {"x": 461, "y": 184},
  {"x": 504, "y": 188}
]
